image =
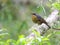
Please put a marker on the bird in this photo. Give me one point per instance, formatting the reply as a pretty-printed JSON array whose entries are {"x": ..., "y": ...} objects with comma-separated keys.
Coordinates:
[{"x": 38, "y": 19}]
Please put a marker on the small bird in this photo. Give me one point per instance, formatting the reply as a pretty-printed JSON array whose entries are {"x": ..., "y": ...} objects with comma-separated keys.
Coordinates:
[{"x": 39, "y": 20}]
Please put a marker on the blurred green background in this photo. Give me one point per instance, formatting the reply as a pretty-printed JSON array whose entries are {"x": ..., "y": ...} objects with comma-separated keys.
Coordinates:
[{"x": 15, "y": 17}]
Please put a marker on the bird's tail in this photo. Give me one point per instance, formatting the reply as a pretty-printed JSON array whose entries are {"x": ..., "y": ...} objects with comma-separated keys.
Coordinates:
[{"x": 47, "y": 25}]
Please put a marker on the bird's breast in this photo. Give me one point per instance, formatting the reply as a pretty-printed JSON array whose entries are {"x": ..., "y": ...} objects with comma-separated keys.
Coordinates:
[{"x": 34, "y": 18}]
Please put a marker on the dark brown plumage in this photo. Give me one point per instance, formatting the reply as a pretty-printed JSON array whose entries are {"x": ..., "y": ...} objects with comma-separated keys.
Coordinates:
[{"x": 38, "y": 19}]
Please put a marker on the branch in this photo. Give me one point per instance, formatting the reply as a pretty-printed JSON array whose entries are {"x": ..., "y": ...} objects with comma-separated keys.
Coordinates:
[{"x": 52, "y": 18}]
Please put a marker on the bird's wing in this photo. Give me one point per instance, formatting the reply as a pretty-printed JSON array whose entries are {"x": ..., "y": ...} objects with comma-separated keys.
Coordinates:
[{"x": 40, "y": 18}]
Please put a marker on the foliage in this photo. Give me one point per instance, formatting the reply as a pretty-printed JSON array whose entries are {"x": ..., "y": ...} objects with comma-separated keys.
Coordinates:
[
  {"x": 56, "y": 5},
  {"x": 38, "y": 40},
  {"x": 8, "y": 11},
  {"x": 12, "y": 26}
]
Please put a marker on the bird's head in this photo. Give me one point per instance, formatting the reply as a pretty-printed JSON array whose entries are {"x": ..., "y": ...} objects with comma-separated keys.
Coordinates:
[{"x": 33, "y": 13}]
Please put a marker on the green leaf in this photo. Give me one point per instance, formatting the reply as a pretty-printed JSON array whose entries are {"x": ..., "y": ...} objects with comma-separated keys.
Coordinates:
[
  {"x": 10, "y": 42},
  {"x": 39, "y": 9},
  {"x": 44, "y": 39},
  {"x": 2, "y": 43},
  {"x": 21, "y": 40},
  {"x": 57, "y": 32},
  {"x": 56, "y": 5}
]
